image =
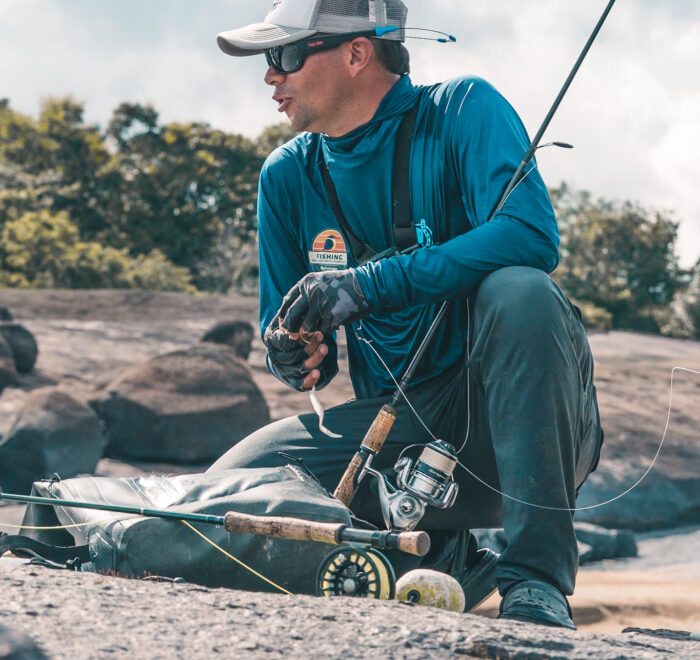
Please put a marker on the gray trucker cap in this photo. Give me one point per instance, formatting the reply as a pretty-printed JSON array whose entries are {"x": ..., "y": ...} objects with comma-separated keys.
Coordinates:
[{"x": 292, "y": 20}]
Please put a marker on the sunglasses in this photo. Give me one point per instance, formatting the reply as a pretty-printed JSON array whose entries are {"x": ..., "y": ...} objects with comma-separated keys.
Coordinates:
[{"x": 291, "y": 57}]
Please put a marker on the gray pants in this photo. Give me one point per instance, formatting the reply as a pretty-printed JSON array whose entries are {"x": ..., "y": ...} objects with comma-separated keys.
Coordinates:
[{"x": 534, "y": 429}]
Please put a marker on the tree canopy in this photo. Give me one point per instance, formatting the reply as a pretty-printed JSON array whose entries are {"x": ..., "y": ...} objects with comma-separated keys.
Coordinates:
[
  {"x": 172, "y": 206},
  {"x": 185, "y": 190}
]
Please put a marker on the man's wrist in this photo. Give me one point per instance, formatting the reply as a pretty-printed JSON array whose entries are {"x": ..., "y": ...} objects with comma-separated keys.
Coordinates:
[{"x": 383, "y": 290}]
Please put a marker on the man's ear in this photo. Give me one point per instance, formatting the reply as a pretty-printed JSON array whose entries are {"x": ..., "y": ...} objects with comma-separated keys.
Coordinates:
[{"x": 361, "y": 52}]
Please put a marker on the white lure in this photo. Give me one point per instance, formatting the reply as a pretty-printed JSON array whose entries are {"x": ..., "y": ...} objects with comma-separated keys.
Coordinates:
[{"x": 318, "y": 409}]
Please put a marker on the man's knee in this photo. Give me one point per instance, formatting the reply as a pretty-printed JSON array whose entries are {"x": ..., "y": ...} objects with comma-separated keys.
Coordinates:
[{"x": 520, "y": 294}]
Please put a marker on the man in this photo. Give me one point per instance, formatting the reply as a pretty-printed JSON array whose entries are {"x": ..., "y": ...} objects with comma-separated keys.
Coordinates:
[{"x": 507, "y": 379}]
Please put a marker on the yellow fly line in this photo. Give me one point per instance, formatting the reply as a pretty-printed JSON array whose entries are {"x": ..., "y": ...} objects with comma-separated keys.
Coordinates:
[
  {"x": 184, "y": 522},
  {"x": 238, "y": 561},
  {"x": 55, "y": 527}
]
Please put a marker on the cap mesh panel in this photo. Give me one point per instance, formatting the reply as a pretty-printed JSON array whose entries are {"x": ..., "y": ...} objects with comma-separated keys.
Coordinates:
[{"x": 339, "y": 16}]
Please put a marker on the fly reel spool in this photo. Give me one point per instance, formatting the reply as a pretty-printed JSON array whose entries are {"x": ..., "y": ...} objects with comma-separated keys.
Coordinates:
[{"x": 358, "y": 573}]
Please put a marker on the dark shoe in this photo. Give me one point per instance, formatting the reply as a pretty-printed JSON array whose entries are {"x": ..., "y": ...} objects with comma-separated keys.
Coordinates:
[
  {"x": 537, "y": 602},
  {"x": 479, "y": 580}
]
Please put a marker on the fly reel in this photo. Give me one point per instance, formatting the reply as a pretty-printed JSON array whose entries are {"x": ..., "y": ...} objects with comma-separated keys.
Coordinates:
[{"x": 351, "y": 571}]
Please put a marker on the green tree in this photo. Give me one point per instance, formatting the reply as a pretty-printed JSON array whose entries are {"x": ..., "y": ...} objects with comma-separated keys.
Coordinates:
[
  {"x": 273, "y": 137},
  {"x": 181, "y": 188},
  {"x": 618, "y": 256},
  {"x": 43, "y": 249},
  {"x": 691, "y": 303}
]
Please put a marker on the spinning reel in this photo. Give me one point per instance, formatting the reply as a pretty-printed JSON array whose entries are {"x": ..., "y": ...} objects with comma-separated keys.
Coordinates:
[{"x": 428, "y": 481}]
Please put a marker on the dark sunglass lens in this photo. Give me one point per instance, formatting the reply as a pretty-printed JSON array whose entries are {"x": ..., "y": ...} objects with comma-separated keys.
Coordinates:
[
  {"x": 291, "y": 58},
  {"x": 272, "y": 55}
]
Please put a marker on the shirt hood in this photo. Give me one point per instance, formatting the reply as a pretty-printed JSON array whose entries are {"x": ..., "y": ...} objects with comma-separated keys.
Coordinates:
[{"x": 361, "y": 143}]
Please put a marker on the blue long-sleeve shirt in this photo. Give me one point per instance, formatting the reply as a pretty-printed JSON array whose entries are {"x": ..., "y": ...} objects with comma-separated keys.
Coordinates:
[{"x": 468, "y": 143}]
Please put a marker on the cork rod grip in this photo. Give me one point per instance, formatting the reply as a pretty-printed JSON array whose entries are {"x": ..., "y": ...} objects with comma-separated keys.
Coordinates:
[
  {"x": 414, "y": 543},
  {"x": 378, "y": 432},
  {"x": 295, "y": 529},
  {"x": 345, "y": 490},
  {"x": 372, "y": 443}
]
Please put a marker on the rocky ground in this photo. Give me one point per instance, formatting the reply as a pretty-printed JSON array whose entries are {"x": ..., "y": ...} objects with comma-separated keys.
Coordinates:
[
  {"x": 126, "y": 618},
  {"x": 87, "y": 338}
]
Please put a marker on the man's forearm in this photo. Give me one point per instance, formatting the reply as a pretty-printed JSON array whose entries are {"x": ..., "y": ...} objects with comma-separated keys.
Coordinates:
[{"x": 457, "y": 268}]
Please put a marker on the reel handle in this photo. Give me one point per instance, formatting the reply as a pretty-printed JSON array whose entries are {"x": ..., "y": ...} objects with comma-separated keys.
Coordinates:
[
  {"x": 296, "y": 529},
  {"x": 371, "y": 445}
]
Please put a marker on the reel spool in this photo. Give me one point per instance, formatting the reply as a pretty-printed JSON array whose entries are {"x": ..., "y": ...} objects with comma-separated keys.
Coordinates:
[
  {"x": 430, "y": 478},
  {"x": 351, "y": 571},
  {"x": 432, "y": 589}
]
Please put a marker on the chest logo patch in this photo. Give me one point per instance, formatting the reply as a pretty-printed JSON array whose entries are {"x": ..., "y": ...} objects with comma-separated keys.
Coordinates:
[{"x": 328, "y": 251}]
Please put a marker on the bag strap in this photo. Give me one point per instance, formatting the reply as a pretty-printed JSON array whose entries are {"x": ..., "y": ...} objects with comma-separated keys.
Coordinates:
[
  {"x": 24, "y": 546},
  {"x": 402, "y": 221}
]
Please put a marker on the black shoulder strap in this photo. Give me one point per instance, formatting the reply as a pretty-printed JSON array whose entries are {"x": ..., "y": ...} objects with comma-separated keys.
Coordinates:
[
  {"x": 402, "y": 218},
  {"x": 402, "y": 221}
]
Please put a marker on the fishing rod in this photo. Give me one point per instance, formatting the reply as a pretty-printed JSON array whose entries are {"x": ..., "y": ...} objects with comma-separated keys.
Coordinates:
[
  {"x": 295, "y": 529},
  {"x": 379, "y": 430}
]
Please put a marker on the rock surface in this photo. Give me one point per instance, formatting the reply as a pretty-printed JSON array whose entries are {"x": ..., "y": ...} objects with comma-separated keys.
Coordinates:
[
  {"x": 129, "y": 618},
  {"x": 187, "y": 406},
  {"x": 117, "y": 329},
  {"x": 53, "y": 433},
  {"x": 594, "y": 542},
  {"x": 605, "y": 543},
  {"x": 22, "y": 343},
  {"x": 17, "y": 647},
  {"x": 633, "y": 378}
]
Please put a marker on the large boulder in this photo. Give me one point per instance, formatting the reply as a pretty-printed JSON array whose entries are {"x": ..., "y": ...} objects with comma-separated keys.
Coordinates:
[
  {"x": 669, "y": 496},
  {"x": 594, "y": 542},
  {"x": 23, "y": 345},
  {"x": 604, "y": 543},
  {"x": 236, "y": 334},
  {"x": 8, "y": 371},
  {"x": 53, "y": 433},
  {"x": 188, "y": 406},
  {"x": 15, "y": 646}
]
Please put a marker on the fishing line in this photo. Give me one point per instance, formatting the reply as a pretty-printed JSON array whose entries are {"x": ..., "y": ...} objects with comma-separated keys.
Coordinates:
[
  {"x": 238, "y": 561},
  {"x": 510, "y": 497},
  {"x": 398, "y": 386},
  {"x": 56, "y": 527}
]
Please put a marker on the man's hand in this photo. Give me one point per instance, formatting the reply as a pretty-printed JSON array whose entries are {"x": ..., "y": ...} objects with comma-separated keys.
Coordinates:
[
  {"x": 322, "y": 302},
  {"x": 298, "y": 361}
]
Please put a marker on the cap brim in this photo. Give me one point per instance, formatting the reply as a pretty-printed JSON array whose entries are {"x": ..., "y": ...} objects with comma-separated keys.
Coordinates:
[{"x": 258, "y": 37}]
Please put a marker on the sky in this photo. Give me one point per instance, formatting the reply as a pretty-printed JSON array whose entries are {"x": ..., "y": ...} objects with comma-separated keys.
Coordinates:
[{"x": 632, "y": 113}]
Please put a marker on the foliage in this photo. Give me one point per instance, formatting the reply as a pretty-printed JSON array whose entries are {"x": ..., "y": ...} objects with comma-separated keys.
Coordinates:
[
  {"x": 691, "y": 304},
  {"x": 618, "y": 257},
  {"x": 179, "y": 189},
  {"x": 273, "y": 137},
  {"x": 43, "y": 250},
  {"x": 173, "y": 207},
  {"x": 594, "y": 318}
]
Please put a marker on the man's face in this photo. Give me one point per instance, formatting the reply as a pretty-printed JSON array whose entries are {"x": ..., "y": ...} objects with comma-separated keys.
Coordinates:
[{"x": 311, "y": 96}]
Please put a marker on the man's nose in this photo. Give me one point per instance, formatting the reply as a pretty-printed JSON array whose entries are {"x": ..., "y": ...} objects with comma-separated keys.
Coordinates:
[{"x": 274, "y": 77}]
